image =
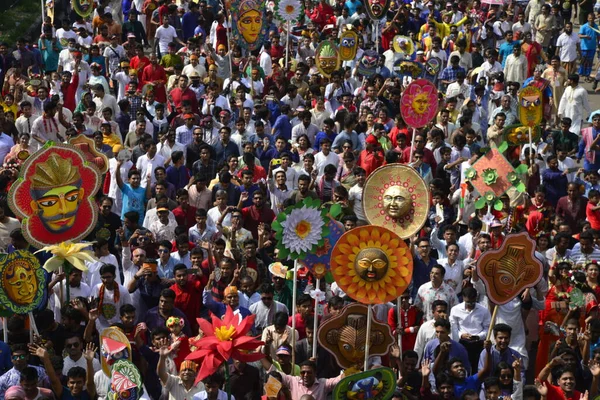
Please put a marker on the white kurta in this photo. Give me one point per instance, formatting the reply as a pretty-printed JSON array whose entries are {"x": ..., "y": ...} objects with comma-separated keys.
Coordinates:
[
  {"x": 515, "y": 69},
  {"x": 574, "y": 104}
]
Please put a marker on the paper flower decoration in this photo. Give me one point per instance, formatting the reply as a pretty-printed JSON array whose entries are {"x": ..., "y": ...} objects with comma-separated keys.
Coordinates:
[
  {"x": 470, "y": 173},
  {"x": 318, "y": 295},
  {"x": 288, "y": 10},
  {"x": 372, "y": 264},
  {"x": 223, "y": 340},
  {"x": 300, "y": 229},
  {"x": 490, "y": 176},
  {"x": 72, "y": 253},
  {"x": 512, "y": 177}
]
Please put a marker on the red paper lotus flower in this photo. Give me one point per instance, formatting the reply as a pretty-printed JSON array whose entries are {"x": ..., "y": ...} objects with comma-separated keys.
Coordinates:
[{"x": 224, "y": 339}]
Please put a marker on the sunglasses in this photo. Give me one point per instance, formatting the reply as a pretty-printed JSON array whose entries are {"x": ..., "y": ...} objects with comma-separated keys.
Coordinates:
[{"x": 20, "y": 357}]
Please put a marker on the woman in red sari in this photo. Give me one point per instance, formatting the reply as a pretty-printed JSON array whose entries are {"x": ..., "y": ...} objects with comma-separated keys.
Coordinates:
[
  {"x": 533, "y": 53},
  {"x": 556, "y": 309}
]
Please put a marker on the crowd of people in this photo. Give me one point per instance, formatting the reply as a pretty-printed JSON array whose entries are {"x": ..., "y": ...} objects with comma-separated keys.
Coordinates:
[{"x": 207, "y": 143}]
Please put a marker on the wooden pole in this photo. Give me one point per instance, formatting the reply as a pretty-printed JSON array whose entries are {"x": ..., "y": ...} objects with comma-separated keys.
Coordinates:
[
  {"x": 5, "y": 329},
  {"x": 531, "y": 156},
  {"x": 294, "y": 296},
  {"x": 399, "y": 327},
  {"x": 492, "y": 322},
  {"x": 316, "y": 321},
  {"x": 287, "y": 46},
  {"x": 368, "y": 338}
]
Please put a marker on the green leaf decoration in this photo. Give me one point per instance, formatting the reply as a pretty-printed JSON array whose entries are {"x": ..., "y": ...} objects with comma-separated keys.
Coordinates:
[
  {"x": 498, "y": 205},
  {"x": 480, "y": 203},
  {"x": 335, "y": 210},
  {"x": 503, "y": 146},
  {"x": 521, "y": 187},
  {"x": 521, "y": 169}
]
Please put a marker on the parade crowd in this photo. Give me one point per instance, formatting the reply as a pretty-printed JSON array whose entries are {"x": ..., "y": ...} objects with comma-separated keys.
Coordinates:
[{"x": 207, "y": 143}]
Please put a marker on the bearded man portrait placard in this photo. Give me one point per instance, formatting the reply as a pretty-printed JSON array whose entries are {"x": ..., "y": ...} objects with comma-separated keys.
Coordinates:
[{"x": 54, "y": 196}]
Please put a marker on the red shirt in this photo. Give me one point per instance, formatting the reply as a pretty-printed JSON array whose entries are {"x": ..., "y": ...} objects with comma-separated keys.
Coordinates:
[
  {"x": 179, "y": 96},
  {"x": 252, "y": 216},
  {"x": 258, "y": 173},
  {"x": 189, "y": 299},
  {"x": 187, "y": 217},
  {"x": 139, "y": 64},
  {"x": 156, "y": 75},
  {"x": 300, "y": 326},
  {"x": 370, "y": 160},
  {"x": 556, "y": 393},
  {"x": 427, "y": 157},
  {"x": 592, "y": 216}
]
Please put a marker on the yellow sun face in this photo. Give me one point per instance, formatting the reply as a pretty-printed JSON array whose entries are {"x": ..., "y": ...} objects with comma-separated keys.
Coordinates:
[{"x": 357, "y": 264}]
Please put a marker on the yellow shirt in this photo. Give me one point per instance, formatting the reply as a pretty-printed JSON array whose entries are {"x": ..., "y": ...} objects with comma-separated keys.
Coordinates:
[
  {"x": 113, "y": 141},
  {"x": 443, "y": 28}
]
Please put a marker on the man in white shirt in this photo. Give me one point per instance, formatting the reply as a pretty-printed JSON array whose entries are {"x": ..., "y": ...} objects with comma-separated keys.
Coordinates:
[
  {"x": 470, "y": 322},
  {"x": 165, "y": 34},
  {"x": 326, "y": 157},
  {"x": 194, "y": 65},
  {"x": 568, "y": 47},
  {"x": 574, "y": 103},
  {"x": 25, "y": 120},
  {"x": 521, "y": 25},
  {"x": 305, "y": 128},
  {"x": 103, "y": 100},
  {"x": 515, "y": 68},
  {"x": 149, "y": 161},
  {"x": 427, "y": 330},
  {"x": 74, "y": 348},
  {"x": 267, "y": 310}
]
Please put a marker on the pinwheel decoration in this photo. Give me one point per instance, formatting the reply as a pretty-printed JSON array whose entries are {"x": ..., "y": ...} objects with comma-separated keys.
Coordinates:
[
  {"x": 301, "y": 229},
  {"x": 223, "y": 340}
]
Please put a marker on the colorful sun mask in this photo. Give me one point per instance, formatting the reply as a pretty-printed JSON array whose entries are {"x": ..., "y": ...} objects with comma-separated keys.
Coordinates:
[
  {"x": 348, "y": 45},
  {"x": 418, "y": 104},
  {"x": 371, "y": 264},
  {"x": 126, "y": 382},
  {"x": 530, "y": 106},
  {"x": 506, "y": 272},
  {"x": 114, "y": 346},
  {"x": 345, "y": 336},
  {"x": 249, "y": 26},
  {"x": 327, "y": 58},
  {"x": 375, "y": 384},
  {"x": 54, "y": 196},
  {"x": 396, "y": 197},
  {"x": 21, "y": 282},
  {"x": 376, "y": 9},
  {"x": 367, "y": 66}
]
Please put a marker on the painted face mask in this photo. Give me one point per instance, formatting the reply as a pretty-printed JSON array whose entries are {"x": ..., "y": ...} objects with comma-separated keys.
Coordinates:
[
  {"x": 368, "y": 63},
  {"x": 348, "y": 45},
  {"x": 530, "y": 106},
  {"x": 327, "y": 58},
  {"x": 376, "y": 9}
]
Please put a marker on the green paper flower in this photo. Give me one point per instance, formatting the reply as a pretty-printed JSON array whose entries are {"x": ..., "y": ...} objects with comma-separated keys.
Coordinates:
[
  {"x": 489, "y": 197},
  {"x": 512, "y": 178},
  {"x": 471, "y": 173},
  {"x": 490, "y": 176}
]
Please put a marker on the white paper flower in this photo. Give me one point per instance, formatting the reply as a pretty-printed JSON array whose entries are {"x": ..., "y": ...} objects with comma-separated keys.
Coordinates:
[
  {"x": 302, "y": 229},
  {"x": 288, "y": 10},
  {"x": 487, "y": 219},
  {"x": 318, "y": 295}
]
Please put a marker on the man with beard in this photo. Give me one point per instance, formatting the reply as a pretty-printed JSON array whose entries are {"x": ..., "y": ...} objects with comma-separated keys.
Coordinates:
[{"x": 183, "y": 385}]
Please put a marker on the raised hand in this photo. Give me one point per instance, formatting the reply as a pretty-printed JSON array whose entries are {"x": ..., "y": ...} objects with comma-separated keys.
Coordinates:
[
  {"x": 90, "y": 351},
  {"x": 541, "y": 388},
  {"x": 37, "y": 350},
  {"x": 425, "y": 368}
]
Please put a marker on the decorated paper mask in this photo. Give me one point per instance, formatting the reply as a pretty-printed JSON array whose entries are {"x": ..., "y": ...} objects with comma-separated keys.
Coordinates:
[
  {"x": 114, "y": 346},
  {"x": 83, "y": 8},
  {"x": 375, "y": 384},
  {"x": 249, "y": 26},
  {"x": 345, "y": 336},
  {"x": 367, "y": 65},
  {"x": 371, "y": 264},
  {"x": 403, "y": 45},
  {"x": 376, "y": 9},
  {"x": 327, "y": 58},
  {"x": 432, "y": 68},
  {"x": 418, "y": 104},
  {"x": 348, "y": 45},
  {"x": 530, "y": 106},
  {"x": 22, "y": 282},
  {"x": 126, "y": 382},
  {"x": 54, "y": 195},
  {"x": 506, "y": 272},
  {"x": 87, "y": 146}
]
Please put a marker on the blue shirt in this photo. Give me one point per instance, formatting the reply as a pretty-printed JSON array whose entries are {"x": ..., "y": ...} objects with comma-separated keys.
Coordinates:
[
  {"x": 420, "y": 273},
  {"x": 282, "y": 127},
  {"x": 189, "y": 21},
  {"x": 497, "y": 357},
  {"x": 456, "y": 350},
  {"x": 50, "y": 56},
  {"x": 506, "y": 49},
  {"x": 470, "y": 383},
  {"x": 322, "y": 135},
  {"x": 134, "y": 200},
  {"x": 343, "y": 136},
  {"x": 592, "y": 42},
  {"x": 155, "y": 320}
]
